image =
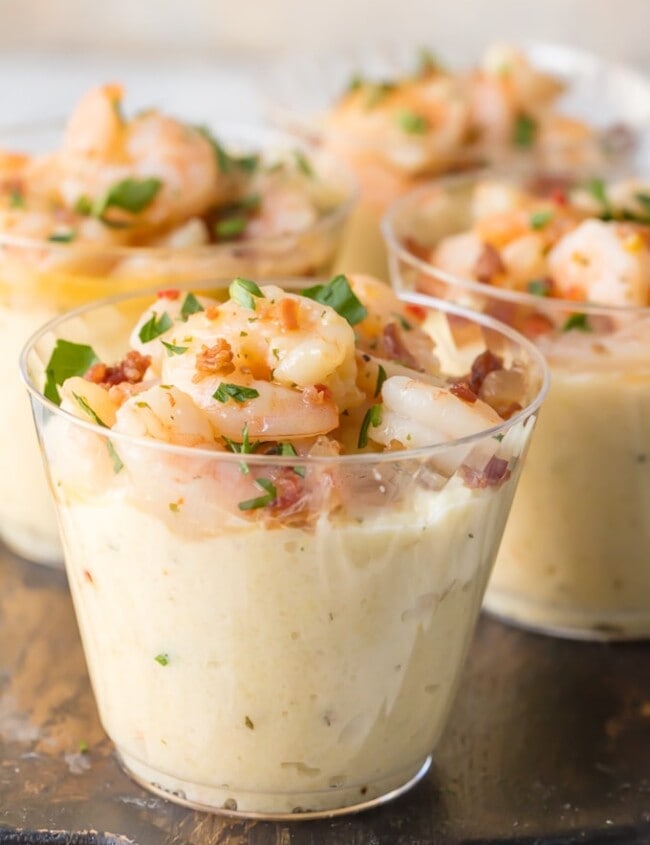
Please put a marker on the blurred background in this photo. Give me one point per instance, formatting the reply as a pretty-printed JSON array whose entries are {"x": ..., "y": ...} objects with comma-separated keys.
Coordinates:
[{"x": 182, "y": 53}]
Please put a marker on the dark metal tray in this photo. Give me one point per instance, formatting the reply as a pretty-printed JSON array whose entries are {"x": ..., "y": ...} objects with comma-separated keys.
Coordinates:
[{"x": 549, "y": 742}]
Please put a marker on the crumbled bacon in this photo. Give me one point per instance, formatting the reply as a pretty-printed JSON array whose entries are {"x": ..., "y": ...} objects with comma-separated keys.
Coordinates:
[
  {"x": 317, "y": 394},
  {"x": 494, "y": 474},
  {"x": 170, "y": 293},
  {"x": 130, "y": 369},
  {"x": 394, "y": 348},
  {"x": 489, "y": 264},
  {"x": 550, "y": 186},
  {"x": 483, "y": 364},
  {"x": 214, "y": 360},
  {"x": 463, "y": 391}
]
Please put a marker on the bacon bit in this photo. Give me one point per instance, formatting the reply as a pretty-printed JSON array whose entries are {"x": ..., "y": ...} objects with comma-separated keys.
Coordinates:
[
  {"x": 535, "y": 324},
  {"x": 559, "y": 196},
  {"x": 288, "y": 314},
  {"x": 419, "y": 312},
  {"x": 212, "y": 312},
  {"x": 495, "y": 473},
  {"x": 551, "y": 187},
  {"x": 170, "y": 293},
  {"x": 214, "y": 360},
  {"x": 483, "y": 364},
  {"x": 317, "y": 394},
  {"x": 488, "y": 264},
  {"x": 394, "y": 348},
  {"x": 289, "y": 487},
  {"x": 88, "y": 577},
  {"x": 130, "y": 369},
  {"x": 462, "y": 390},
  {"x": 417, "y": 249}
]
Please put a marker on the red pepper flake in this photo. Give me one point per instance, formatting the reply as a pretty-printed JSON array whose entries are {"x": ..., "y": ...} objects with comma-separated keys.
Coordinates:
[
  {"x": 170, "y": 293},
  {"x": 417, "y": 311}
]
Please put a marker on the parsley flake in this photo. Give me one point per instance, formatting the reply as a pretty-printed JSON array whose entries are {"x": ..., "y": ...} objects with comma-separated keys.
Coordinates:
[
  {"x": 132, "y": 195},
  {"x": 235, "y": 392},
  {"x": 243, "y": 291},
  {"x": 118, "y": 466},
  {"x": 230, "y": 228},
  {"x": 86, "y": 407},
  {"x": 539, "y": 287},
  {"x": 524, "y": 130},
  {"x": 67, "y": 360},
  {"x": 539, "y": 219},
  {"x": 577, "y": 321},
  {"x": 304, "y": 165},
  {"x": 16, "y": 198},
  {"x": 62, "y": 237},
  {"x": 154, "y": 327},
  {"x": 270, "y": 495},
  {"x": 174, "y": 350},
  {"x": 339, "y": 295},
  {"x": 162, "y": 658},
  {"x": 411, "y": 122},
  {"x": 381, "y": 378},
  {"x": 597, "y": 189},
  {"x": 191, "y": 305},
  {"x": 372, "y": 417},
  {"x": 401, "y": 319},
  {"x": 288, "y": 450}
]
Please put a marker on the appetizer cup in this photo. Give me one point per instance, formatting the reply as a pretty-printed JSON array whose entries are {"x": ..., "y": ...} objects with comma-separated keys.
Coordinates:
[
  {"x": 574, "y": 557},
  {"x": 43, "y": 276},
  {"x": 288, "y": 655}
]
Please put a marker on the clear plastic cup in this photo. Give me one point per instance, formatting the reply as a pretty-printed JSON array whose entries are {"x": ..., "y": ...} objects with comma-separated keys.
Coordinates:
[
  {"x": 573, "y": 561},
  {"x": 261, "y": 664},
  {"x": 40, "y": 279}
]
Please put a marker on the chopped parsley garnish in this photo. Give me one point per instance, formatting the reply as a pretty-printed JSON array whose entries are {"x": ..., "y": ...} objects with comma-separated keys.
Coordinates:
[
  {"x": 598, "y": 191},
  {"x": 62, "y": 237},
  {"x": 539, "y": 219},
  {"x": 243, "y": 448},
  {"x": 132, "y": 195},
  {"x": 539, "y": 287},
  {"x": 411, "y": 122},
  {"x": 86, "y": 407},
  {"x": 381, "y": 378},
  {"x": 235, "y": 392},
  {"x": 270, "y": 495},
  {"x": 16, "y": 199},
  {"x": 118, "y": 466},
  {"x": 643, "y": 200},
  {"x": 376, "y": 93},
  {"x": 356, "y": 82},
  {"x": 67, "y": 360},
  {"x": 83, "y": 205},
  {"x": 524, "y": 130},
  {"x": 83, "y": 746},
  {"x": 191, "y": 305},
  {"x": 304, "y": 165},
  {"x": 225, "y": 161},
  {"x": 230, "y": 227},
  {"x": 174, "y": 350},
  {"x": 288, "y": 450},
  {"x": 154, "y": 327},
  {"x": 162, "y": 658},
  {"x": 577, "y": 321},
  {"x": 339, "y": 295},
  {"x": 372, "y": 417},
  {"x": 243, "y": 291}
]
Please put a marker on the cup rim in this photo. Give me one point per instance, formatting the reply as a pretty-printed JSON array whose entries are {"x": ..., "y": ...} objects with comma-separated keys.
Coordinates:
[
  {"x": 222, "y": 129},
  {"x": 535, "y": 358},
  {"x": 397, "y": 250}
]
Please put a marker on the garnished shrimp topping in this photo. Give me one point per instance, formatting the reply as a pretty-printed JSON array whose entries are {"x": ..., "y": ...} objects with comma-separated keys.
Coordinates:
[{"x": 342, "y": 367}]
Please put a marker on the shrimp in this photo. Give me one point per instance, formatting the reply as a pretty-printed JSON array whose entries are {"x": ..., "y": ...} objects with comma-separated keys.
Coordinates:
[
  {"x": 285, "y": 207},
  {"x": 603, "y": 262},
  {"x": 101, "y": 149},
  {"x": 292, "y": 359},
  {"x": 392, "y": 328},
  {"x": 415, "y": 414},
  {"x": 414, "y": 126}
]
